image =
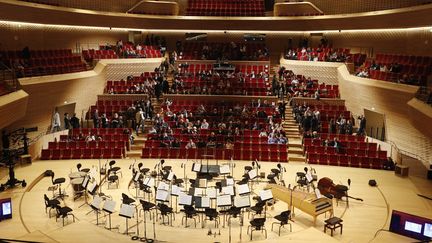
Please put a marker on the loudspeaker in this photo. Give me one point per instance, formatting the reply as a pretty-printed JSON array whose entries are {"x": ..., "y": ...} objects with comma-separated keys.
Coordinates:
[{"x": 372, "y": 182}]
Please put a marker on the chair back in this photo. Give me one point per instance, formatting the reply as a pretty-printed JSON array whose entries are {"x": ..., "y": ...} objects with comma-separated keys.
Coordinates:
[
  {"x": 46, "y": 200},
  {"x": 111, "y": 163},
  {"x": 79, "y": 165}
]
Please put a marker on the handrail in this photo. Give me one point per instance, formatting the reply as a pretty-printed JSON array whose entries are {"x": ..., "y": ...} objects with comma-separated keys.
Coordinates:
[{"x": 404, "y": 152}]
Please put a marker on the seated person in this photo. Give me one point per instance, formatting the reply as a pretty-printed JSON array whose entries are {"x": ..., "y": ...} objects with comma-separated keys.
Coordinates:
[
  {"x": 175, "y": 143},
  {"x": 211, "y": 141},
  {"x": 201, "y": 143},
  {"x": 389, "y": 164},
  {"x": 229, "y": 144}
]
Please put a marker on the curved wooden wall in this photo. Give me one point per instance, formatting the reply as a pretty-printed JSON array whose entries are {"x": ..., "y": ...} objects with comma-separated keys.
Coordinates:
[
  {"x": 36, "y": 13},
  {"x": 13, "y": 106},
  {"x": 47, "y": 92}
]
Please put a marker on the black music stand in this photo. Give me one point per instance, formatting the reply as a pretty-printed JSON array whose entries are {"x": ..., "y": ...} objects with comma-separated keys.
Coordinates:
[
  {"x": 225, "y": 200},
  {"x": 265, "y": 195},
  {"x": 127, "y": 211},
  {"x": 202, "y": 203},
  {"x": 185, "y": 200},
  {"x": 85, "y": 184},
  {"x": 95, "y": 205},
  {"x": 242, "y": 202},
  {"x": 109, "y": 207}
]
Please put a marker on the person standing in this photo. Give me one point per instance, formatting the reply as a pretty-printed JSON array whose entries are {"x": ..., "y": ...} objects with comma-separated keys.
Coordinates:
[
  {"x": 67, "y": 122},
  {"x": 74, "y": 121},
  {"x": 96, "y": 119},
  {"x": 56, "y": 123}
]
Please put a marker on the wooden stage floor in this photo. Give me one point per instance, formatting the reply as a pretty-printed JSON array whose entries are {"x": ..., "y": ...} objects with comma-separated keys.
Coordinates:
[{"x": 361, "y": 220}]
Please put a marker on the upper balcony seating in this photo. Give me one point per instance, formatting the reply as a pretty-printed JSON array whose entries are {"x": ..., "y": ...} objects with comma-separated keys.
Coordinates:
[
  {"x": 225, "y": 8},
  {"x": 43, "y": 62}
]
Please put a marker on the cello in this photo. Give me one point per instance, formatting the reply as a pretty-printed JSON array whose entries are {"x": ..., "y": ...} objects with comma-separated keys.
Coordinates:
[{"x": 328, "y": 188}]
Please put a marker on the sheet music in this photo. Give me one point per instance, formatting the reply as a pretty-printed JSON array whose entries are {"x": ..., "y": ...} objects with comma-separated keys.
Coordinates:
[
  {"x": 170, "y": 176},
  {"x": 162, "y": 195},
  {"x": 252, "y": 174},
  {"x": 224, "y": 169},
  {"x": 85, "y": 181},
  {"x": 228, "y": 190},
  {"x": 196, "y": 167},
  {"x": 91, "y": 187},
  {"x": 309, "y": 177},
  {"x": 265, "y": 195},
  {"x": 230, "y": 182},
  {"x": 211, "y": 192},
  {"x": 163, "y": 186},
  {"x": 93, "y": 172},
  {"x": 137, "y": 176},
  {"x": 185, "y": 199},
  {"x": 149, "y": 181},
  {"x": 222, "y": 201},
  {"x": 243, "y": 189},
  {"x": 96, "y": 202},
  {"x": 318, "y": 193},
  {"x": 127, "y": 210},
  {"x": 242, "y": 201},
  {"x": 202, "y": 202},
  {"x": 176, "y": 190},
  {"x": 109, "y": 206},
  {"x": 198, "y": 192}
]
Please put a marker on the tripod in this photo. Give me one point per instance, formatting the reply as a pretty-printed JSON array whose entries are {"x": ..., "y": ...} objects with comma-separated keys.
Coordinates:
[{"x": 12, "y": 182}]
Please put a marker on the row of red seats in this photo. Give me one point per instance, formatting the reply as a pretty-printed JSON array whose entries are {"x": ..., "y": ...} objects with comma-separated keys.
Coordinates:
[
  {"x": 88, "y": 153},
  {"x": 149, "y": 53},
  {"x": 51, "y": 70},
  {"x": 354, "y": 151},
  {"x": 83, "y": 144},
  {"x": 219, "y": 154},
  {"x": 114, "y": 102},
  {"x": 403, "y": 59},
  {"x": 414, "y": 69},
  {"x": 396, "y": 77},
  {"x": 52, "y": 61},
  {"x": 98, "y": 131},
  {"x": 37, "y": 53},
  {"x": 348, "y": 161},
  {"x": 325, "y": 50},
  {"x": 299, "y": 14},
  {"x": 91, "y": 54},
  {"x": 331, "y": 136}
]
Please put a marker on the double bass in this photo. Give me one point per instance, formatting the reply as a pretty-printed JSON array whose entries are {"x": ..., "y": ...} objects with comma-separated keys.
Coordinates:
[{"x": 327, "y": 187}]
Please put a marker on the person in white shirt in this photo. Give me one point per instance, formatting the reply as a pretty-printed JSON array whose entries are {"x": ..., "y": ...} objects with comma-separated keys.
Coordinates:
[
  {"x": 56, "y": 122},
  {"x": 190, "y": 144},
  {"x": 139, "y": 119},
  {"x": 204, "y": 124}
]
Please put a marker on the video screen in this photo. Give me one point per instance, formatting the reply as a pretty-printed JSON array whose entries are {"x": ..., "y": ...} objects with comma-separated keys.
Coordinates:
[
  {"x": 413, "y": 227},
  {"x": 7, "y": 208},
  {"x": 428, "y": 230}
]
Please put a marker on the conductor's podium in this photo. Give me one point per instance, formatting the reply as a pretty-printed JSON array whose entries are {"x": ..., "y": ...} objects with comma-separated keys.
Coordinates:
[{"x": 305, "y": 201}]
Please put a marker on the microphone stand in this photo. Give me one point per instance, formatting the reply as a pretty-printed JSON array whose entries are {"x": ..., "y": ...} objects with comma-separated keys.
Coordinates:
[{"x": 291, "y": 198}]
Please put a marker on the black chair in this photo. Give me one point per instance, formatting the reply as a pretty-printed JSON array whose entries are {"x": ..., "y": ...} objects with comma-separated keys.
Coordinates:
[
  {"x": 64, "y": 212},
  {"x": 212, "y": 214},
  {"x": 301, "y": 180},
  {"x": 190, "y": 213},
  {"x": 51, "y": 204},
  {"x": 86, "y": 170},
  {"x": 112, "y": 178},
  {"x": 58, "y": 182},
  {"x": 114, "y": 169},
  {"x": 283, "y": 219},
  {"x": 165, "y": 212},
  {"x": 257, "y": 224},
  {"x": 257, "y": 209}
]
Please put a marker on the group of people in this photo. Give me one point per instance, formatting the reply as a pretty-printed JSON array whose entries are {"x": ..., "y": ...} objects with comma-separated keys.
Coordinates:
[
  {"x": 394, "y": 67},
  {"x": 228, "y": 123},
  {"x": 68, "y": 122},
  {"x": 288, "y": 84},
  {"x": 307, "y": 54}
]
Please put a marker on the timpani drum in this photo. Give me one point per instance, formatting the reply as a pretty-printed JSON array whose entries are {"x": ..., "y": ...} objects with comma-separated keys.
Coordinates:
[
  {"x": 78, "y": 174},
  {"x": 77, "y": 184}
]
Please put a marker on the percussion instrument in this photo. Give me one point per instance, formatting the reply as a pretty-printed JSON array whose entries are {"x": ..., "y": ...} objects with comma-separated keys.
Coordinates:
[
  {"x": 77, "y": 184},
  {"x": 78, "y": 174}
]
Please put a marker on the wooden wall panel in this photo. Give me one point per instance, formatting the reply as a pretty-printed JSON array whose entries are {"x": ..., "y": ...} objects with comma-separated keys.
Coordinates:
[
  {"x": 13, "y": 107},
  {"x": 322, "y": 71}
]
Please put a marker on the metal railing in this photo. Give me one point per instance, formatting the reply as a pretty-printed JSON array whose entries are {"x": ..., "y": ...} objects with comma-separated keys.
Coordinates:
[
  {"x": 400, "y": 152},
  {"x": 8, "y": 77}
]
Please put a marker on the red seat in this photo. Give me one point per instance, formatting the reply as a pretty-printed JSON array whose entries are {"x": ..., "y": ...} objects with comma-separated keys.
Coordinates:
[
  {"x": 46, "y": 154},
  {"x": 67, "y": 154}
]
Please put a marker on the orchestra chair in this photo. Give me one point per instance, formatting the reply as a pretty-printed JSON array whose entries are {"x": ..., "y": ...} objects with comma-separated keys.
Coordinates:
[
  {"x": 190, "y": 213},
  {"x": 64, "y": 212},
  {"x": 50, "y": 203},
  {"x": 146, "y": 189},
  {"x": 165, "y": 212},
  {"x": 302, "y": 181},
  {"x": 58, "y": 182},
  {"x": 147, "y": 207},
  {"x": 114, "y": 169},
  {"x": 112, "y": 178},
  {"x": 257, "y": 224},
  {"x": 86, "y": 170},
  {"x": 212, "y": 214},
  {"x": 283, "y": 219},
  {"x": 257, "y": 209}
]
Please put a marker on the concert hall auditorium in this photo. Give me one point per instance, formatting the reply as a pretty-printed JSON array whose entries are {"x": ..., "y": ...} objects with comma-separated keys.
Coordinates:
[{"x": 216, "y": 121}]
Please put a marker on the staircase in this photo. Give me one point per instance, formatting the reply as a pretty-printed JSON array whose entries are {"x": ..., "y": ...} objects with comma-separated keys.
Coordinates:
[
  {"x": 136, "y": 148},
  {"x": 295, "y": 147}
]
